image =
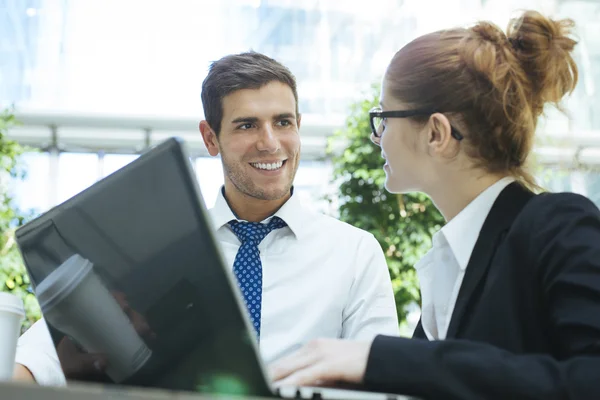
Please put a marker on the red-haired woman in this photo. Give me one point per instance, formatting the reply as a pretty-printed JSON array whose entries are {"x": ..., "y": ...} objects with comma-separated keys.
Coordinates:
[{"x": 511, "y": 286}]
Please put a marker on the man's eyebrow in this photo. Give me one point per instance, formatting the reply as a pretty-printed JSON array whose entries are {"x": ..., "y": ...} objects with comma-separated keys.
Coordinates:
[
  {"x": 284, "y": 116},
  {"x": 253, "y": 120},
  {"x": 247, "y": 120}
]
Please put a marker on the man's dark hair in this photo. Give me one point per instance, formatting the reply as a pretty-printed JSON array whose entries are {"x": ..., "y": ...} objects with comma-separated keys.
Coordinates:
[{"x": 249, "y": 70}]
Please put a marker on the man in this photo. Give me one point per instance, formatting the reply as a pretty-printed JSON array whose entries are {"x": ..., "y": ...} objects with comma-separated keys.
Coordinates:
[{"x": 313, "y": 276}]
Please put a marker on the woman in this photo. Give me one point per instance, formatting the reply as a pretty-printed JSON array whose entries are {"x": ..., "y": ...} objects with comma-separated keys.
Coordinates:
[{"x": 511, "y": 286}]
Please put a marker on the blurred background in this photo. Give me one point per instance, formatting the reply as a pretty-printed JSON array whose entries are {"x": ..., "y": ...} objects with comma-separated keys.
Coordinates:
[{"x": 94, "y": 83}]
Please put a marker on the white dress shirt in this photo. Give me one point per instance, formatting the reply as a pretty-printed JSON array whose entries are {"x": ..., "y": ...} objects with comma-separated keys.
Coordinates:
[
  {"x": 322, "y": 278},
  {"x": 442, "y": 269}
]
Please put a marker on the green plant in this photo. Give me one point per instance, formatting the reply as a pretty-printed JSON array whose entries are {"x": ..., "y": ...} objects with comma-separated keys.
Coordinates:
[
  {"x": 403, "y": 224},
  {"x": 13, "y": 277}
]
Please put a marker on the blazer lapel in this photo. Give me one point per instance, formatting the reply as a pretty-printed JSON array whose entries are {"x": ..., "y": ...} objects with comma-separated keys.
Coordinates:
[{"x": 502, "y": 214}]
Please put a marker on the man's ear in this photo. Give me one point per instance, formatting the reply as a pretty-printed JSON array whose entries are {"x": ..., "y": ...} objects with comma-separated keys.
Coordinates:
[
  {"x": 298, "y": 120},
  {"x": 210, "y": 138}
]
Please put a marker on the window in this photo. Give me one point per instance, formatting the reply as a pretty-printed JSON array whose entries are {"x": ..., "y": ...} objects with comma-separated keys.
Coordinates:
[
  {"x": 76, "y": 172},
  {"x": 33, "y": 193}
]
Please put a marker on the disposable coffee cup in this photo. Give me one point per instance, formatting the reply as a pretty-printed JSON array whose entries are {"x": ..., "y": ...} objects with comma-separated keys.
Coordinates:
[
  {"x": 74, "y": 300},
  {"x": 11, "y": 317}
]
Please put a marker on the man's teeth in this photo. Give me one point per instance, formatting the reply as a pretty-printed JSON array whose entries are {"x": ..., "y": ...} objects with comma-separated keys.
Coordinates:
[{"x": 270, "y": 166}]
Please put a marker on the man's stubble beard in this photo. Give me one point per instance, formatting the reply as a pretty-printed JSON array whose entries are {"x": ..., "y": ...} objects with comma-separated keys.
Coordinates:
[{"x": 244, "y": 184}]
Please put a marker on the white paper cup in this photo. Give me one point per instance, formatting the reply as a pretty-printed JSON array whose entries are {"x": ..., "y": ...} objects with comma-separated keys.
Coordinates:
[
  {"x": 11, "y": 316},
  {"x": 74, "y": 300}
]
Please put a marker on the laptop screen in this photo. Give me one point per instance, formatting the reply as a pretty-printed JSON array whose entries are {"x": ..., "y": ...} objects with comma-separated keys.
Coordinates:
[{"x": 129, "y": 269}]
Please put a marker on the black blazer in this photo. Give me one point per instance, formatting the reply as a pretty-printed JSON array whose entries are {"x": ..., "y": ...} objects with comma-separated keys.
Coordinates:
[{"x": 526, "y": 324}]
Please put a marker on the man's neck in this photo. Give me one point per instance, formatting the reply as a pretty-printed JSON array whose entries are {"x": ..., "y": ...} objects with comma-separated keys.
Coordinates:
[{"x": 251, "y": 209}]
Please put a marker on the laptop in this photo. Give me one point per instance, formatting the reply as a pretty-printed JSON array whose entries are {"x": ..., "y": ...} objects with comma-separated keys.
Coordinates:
[{"x": 130, "y": 268}]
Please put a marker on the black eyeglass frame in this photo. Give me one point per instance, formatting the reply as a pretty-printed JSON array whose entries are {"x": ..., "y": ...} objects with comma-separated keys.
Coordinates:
[{"x": 377, "y": 113}]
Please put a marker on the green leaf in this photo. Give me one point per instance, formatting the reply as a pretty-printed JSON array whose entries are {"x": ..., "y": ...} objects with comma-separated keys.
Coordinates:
[{"x": 12, "y": 270}]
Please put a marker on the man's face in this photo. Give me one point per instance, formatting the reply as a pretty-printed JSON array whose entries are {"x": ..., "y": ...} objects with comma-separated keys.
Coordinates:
[{"x": 259, "y": 141}]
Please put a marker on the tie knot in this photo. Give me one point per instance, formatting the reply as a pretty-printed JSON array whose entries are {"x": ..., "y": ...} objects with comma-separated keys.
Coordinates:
[{"x": 255, "y": 231}]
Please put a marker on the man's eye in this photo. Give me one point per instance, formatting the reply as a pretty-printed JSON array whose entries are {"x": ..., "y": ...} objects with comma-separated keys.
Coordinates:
[
  {"x": 245, "y": 126},
  {"x": 285, "y": 122}
]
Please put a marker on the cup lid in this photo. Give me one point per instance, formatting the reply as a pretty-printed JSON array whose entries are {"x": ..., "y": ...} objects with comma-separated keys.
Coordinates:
[
  {"x": 11, "y": 303},
  {"x": 62, "y": 281}
]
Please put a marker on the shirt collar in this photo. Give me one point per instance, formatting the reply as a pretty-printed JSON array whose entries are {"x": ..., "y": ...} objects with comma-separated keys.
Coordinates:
[
  {"x": 292, "y": 213},
  {"x": 462, "y": 232}
]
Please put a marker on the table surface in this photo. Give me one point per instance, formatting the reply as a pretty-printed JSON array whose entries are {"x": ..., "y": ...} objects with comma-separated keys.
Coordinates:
[{"x": 27, "y": 391}]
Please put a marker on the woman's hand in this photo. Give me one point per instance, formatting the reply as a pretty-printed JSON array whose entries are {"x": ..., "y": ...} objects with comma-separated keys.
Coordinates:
[{"x": 323, "y": 362}]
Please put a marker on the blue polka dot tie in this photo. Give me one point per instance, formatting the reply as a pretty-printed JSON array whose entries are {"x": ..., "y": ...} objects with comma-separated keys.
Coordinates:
[{"x": 247, "y": 265}]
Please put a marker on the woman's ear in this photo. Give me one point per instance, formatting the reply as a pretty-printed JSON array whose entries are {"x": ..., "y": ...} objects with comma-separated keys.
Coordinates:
[{"x": 439, "y": 139}]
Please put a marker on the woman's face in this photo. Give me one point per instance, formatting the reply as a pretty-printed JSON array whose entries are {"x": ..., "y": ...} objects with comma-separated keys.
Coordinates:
[{"x": 404, "y": 148}]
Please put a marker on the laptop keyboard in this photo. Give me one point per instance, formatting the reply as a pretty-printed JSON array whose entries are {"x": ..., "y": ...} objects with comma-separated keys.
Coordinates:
[{"x": 315, "y": 393}]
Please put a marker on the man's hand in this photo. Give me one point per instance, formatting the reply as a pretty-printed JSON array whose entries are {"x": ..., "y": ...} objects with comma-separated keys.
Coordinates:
[
  {"x": 76, "y": 363},
  {"x": 139, "y": 322},
  {"x": 323, "y": 362}
]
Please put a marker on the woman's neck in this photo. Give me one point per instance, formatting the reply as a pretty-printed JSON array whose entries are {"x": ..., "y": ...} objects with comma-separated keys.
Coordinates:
[{"x": 451, "y": 196}]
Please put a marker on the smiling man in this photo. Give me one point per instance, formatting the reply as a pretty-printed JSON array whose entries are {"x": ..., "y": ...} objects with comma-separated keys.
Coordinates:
[
  {"x": 302, "y": 274},
  {"x": 320, "y": 277}
]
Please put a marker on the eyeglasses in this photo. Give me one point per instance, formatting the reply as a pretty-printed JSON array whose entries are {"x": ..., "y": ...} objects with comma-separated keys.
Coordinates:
[{"x": 377, "y": 117}]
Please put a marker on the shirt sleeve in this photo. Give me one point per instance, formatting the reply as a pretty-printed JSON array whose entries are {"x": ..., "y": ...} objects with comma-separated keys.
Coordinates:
[
  {"x": 371, "y": 308},
  {"x": 36, "y": 351}
]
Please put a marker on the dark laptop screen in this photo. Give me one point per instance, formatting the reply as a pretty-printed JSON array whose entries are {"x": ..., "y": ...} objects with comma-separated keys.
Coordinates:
[{"x": 129, "y": 269}]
